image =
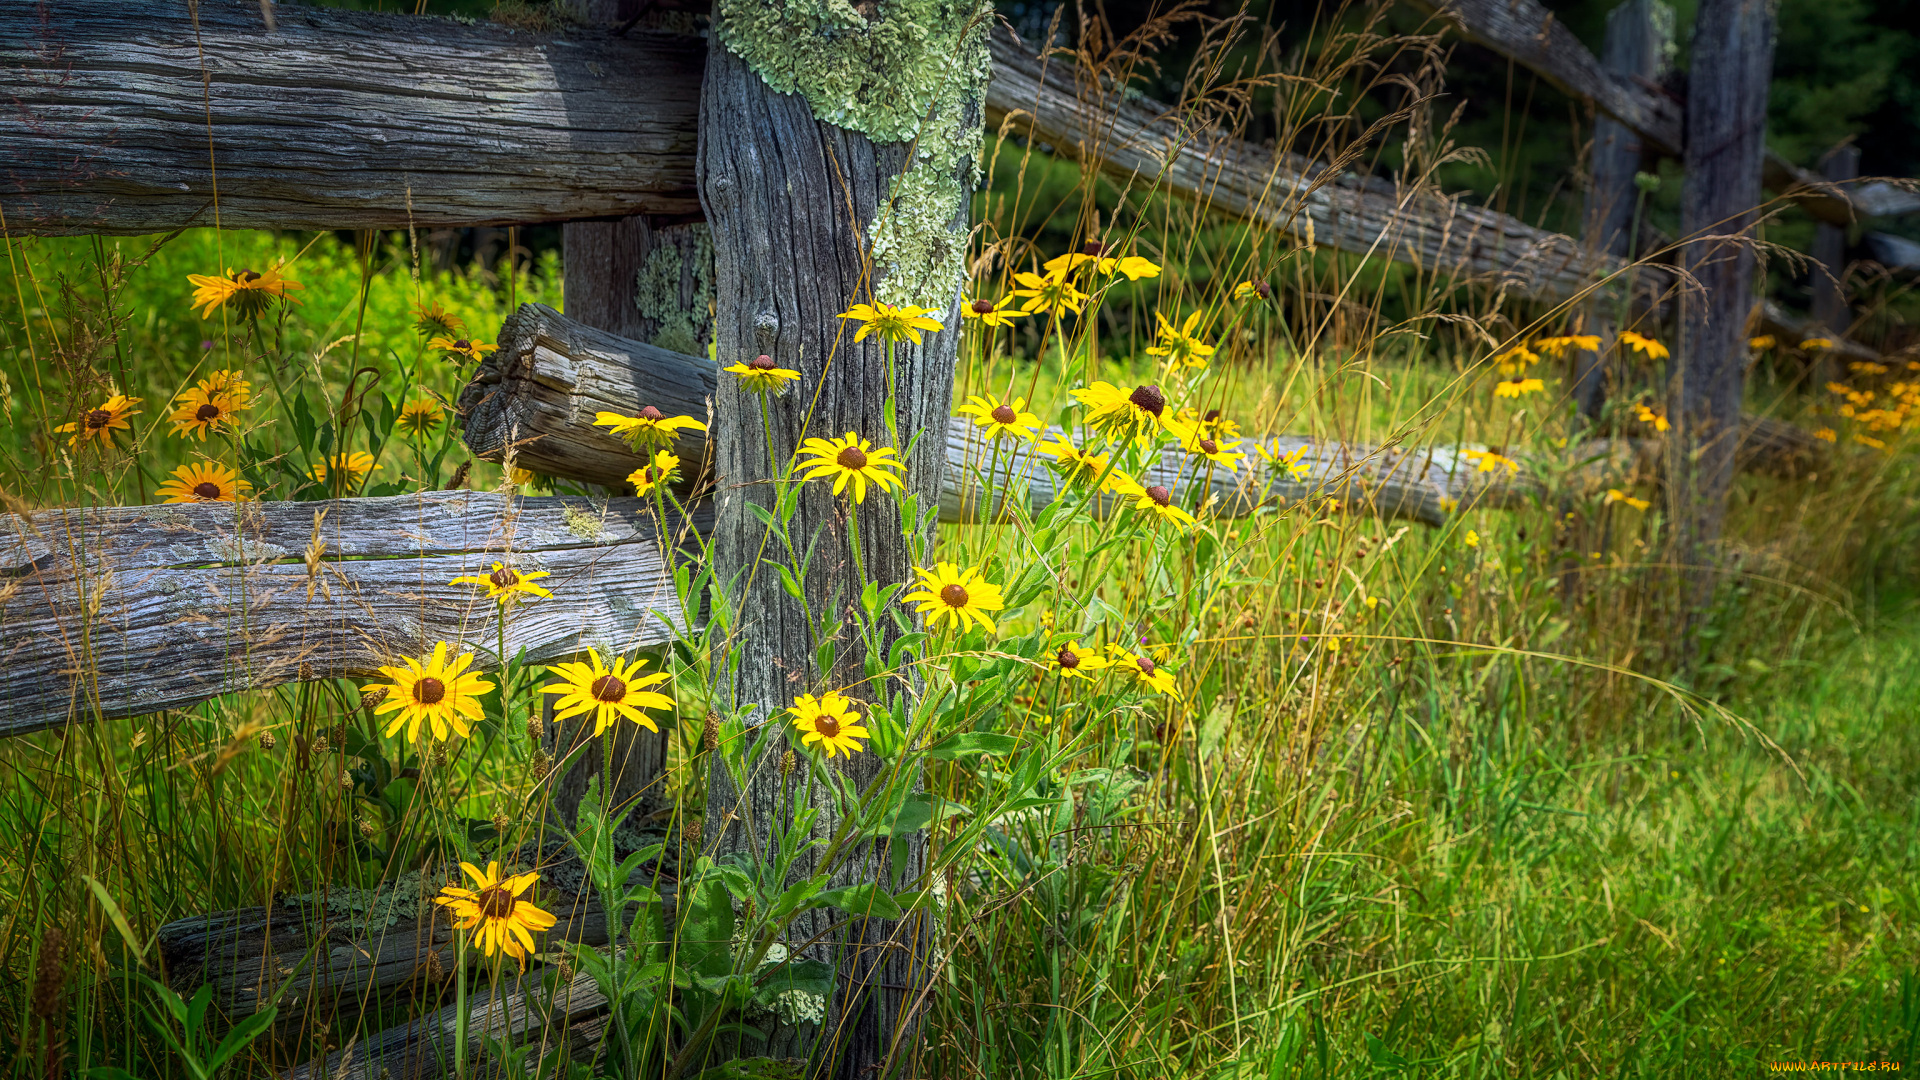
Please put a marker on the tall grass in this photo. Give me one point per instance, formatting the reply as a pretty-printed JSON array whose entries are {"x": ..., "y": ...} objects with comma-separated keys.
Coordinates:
[{"x": 1431, "y": 801}]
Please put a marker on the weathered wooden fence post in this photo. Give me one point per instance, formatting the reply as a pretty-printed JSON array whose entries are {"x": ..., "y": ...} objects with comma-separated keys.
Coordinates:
[
  {"x": 1726, "y": 129},
  {"x": 1639, "y": 37},
  {"x": 1830, "y": 311},
  {"x": 838, "y": 148}
]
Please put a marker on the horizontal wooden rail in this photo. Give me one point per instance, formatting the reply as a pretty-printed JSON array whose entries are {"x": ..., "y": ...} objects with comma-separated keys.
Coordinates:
[
  {"x": 129, "y": 116},
  {"x": 122, "y": 611},
  {"x": 1135, "y": 138},
  {"x": 551, "y": 375},
  {"x": 1526, "y": 32}
]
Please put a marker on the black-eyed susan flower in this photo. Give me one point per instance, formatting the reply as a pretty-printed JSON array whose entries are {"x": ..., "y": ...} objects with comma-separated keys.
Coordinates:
[
  {"x": 1812, "y": 344},
  {"x": 504, "y": 584},
  {"x": 1201, "y": 443},
  {"x": 651, "y": 475},
  {"x": 1615, "y": 495},
  {"x": 1080, "y": 467},
  {"x": 1096, "y": 253},
  {"x": 1293, "y": 462},
  {"x": 1515, "y": 360},
  {"x": 195, "y": 412},
  {"x": 651, "y": 428},
  {"x": 1212, "y": 423},
  {"x": 461, "y": 350},
  {"x": 1513, "y": 388},
  {"x": 434, "y": 321},
  {"x": 1145, "y": 672},
  {"x": 233, "y": 384},
  {"x": 440, "y": 695},
  {"x": 1826, "y": 434},
  {"x": 852, "y": 461},
  {"x": 202, "y": 482},
  {"x": 829, "y": 721},
  {"x": 249, "y": 292},
  {"x": 1488, "y": 461},
  {"x": 1071, "y": 661},
  {"x": 356, "y": 465},
  {"x": 1181, "y": 345},
  {"x": 1049, "y": 295},
  {"x": 1002, "y": 418},
  {"x": 1119, "y": 413},
  {"x": 1558, "y": 346},
  {"x": 961, "y": 597},
  {"x": 1250, "y": 290},
  {"x": 609, "y": 693},
  {"x": 102, "y": 422},
  {"x": 762, "y": 375},
  {"x": 895, "y": 323},
  {"x": 1647, "y": 415},
  {"x": 1156, "y": 500},
  {"x": 988, "y": 313},
  {"x": 1762, "y": 343},
  {"x": 494, "y": 907},
  {"x": 1644, "y": 345},
  {"x": 420, "y": 416}
]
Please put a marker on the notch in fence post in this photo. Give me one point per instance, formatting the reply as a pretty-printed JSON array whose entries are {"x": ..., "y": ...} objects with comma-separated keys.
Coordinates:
[{"x": 1639, "y": 42}]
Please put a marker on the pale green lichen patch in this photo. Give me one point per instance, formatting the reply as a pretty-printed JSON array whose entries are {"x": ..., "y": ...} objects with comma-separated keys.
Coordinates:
[
  {"x": 582, "y": 523},
  {"x": 684, "y": 323},
  {"x": 909, "y": 71}
]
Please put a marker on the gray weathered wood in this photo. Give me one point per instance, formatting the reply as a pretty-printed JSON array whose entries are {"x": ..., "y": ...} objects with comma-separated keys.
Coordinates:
[
  {"x": 120, "y": 611},
  {"x": 551, "y": 374},
  {"x": 1830, "y": 250},
  {"x": 1527, "y": 32},
  {"x": 1138, "y": 139},
  {"x": 322, "y": 953},
  {"x": 1639, "y": 33},
  {"x": 332, "y": 120},
  {"x": 1726, "y": 140},
  {"x": 540, "y": 391}
]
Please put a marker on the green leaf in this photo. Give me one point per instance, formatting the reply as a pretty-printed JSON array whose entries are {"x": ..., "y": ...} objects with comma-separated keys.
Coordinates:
[
  {"x": 790, "y": 583},
  {"x": 865, "y": 899},
  {"x": 114, "y": 914},
  {"x": 760, "y": 512},
  {"x": 969, "y": 743},
  {"x": 823, "y": 657},
  {"x": 243, "y": 1033},
  {"x": 706, "y": 930},
  {"x": 900, "y": 645}
]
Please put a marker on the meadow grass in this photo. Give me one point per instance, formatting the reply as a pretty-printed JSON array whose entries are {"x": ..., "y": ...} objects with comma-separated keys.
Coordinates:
[{"x": 1465, "y": 800}]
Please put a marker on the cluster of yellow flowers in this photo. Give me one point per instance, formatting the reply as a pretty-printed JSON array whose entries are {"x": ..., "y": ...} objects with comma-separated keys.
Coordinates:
[{"x": 1876, "y": 413}]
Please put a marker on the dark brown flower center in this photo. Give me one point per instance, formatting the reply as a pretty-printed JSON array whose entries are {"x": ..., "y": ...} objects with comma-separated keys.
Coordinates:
[
  {"x": 763, "y": 362},
  {"x": 1148, "y": 397},
  {"x": 1265, "y": 290},
  {"x": 504, "y": 578},
  {"x": 1212, "y": 416},
  {"x": 207, "y": 489},
  {"x": 651, "y": 413},
  {"x": 1068, "y": 658},
  {"x": 827, "y": 726},
  {"x": 1145, "y": 665},
  {"x": 429, "y": 691},
  {"x": 99, "y": 418},
  {"x": 207, "y": 413},
  {"x": 953, "y": 596},
  {"x": 246, "y": 276},
  {"x": 496, "y": 902},
  {"x": 1094, "y": 248},
  {"x": 1208, "y": 446},
  {"x": 982, "y": 307},
  {"x": 609, "y": 689},
  {"x": 1160, "y": 495},
  {"x": 851, "y": 458},
  {"x": 462, "y": 344},
  {"x": 1004, "y": 414}
]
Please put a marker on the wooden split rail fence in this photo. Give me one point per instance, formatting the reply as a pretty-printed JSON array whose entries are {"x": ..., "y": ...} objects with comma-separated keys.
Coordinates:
[{"x": 346, "y": 120}]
